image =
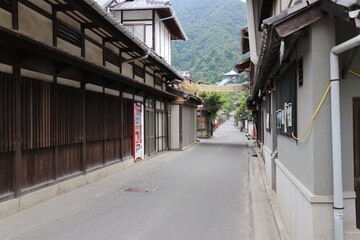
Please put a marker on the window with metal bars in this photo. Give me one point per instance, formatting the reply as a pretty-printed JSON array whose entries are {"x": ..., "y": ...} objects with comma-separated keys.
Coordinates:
[
  {"x": 300, "y": 72},
  {"x": 286, "y": 102}
]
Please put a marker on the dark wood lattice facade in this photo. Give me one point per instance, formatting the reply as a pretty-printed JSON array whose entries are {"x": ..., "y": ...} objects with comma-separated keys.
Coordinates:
[{"x": 66, "y": 94}]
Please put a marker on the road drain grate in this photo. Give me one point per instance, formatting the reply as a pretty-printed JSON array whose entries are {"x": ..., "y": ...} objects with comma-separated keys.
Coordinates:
[{"x": 138, "y": 190}]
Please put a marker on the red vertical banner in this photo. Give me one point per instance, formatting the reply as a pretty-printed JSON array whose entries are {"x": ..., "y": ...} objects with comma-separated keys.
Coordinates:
[{"x": 138, "y": 135}]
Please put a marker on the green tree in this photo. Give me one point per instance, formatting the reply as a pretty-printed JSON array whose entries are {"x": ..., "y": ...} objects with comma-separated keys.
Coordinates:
[
  {"x": 213, "y": 102},
  {"x": 213, "y": 30},
  {"x": 241, "y": 112}
]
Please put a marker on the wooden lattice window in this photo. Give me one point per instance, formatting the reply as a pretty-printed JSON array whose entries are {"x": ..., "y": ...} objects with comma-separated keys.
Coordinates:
[
  {"x": 112, "y": 57},
  {"x": 7, "y": 113},
  {"x": 5, "y": 4},
  {"x": 158, "y": 81},
  {"x": 69, "y": 34},
  {"x": 139, "y": 71}
]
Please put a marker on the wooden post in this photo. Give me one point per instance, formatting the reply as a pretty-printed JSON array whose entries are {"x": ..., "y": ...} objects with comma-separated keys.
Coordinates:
[
  {"x": 15, "y": 14},
  {"x": 83, "y": 105},
  {"x": 121, "y": 124},
  {"x": 155, "y": 136},
  {"x": 104, "y": 125},
  {"x": 180, "y": 126},
  {"x": 56, "y": 147},
  {"x": 18, "y": 151},
  {"x": 55, "y": 27}
]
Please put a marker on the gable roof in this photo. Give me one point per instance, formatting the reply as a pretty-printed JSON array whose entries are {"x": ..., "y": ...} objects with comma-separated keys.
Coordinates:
[{"x": 164, "y": 10}]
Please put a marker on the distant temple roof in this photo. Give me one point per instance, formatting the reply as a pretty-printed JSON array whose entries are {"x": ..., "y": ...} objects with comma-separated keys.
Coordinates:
[{"x": 231, "y": 73}]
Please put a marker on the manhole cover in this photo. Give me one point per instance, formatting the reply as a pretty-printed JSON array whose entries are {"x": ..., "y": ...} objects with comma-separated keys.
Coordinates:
[{"x": 138, "y": 190}]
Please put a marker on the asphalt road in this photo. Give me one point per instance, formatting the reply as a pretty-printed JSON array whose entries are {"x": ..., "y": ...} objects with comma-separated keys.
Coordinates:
[{"x": 200, "y": 193}]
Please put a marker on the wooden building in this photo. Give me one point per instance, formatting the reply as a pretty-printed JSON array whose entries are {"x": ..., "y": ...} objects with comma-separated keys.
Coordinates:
[{"x": 69, "y": 78}]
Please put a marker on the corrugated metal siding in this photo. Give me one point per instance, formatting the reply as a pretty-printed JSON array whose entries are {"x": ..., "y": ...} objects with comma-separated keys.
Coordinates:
[{"x": 188, "y": 125}]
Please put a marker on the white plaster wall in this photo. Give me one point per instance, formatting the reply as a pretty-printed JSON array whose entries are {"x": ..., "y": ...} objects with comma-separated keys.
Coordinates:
[
  {"x": 42, "y": 4},
  {"x": 139, "y": 98},
  {"x": 281, "y": 5},
  {"x": 36, "y": 75},
  {"x": 112, "y": 92},
  {"x": 128, "y": 95},
  {"x": 6, "y": 68},
  {"x": 157, "y": 35},
  {"x": 112, "y": 47},
  {"x": 93, "y": 35},
  {"x": 162, "y": 40},
  {"x": 149, "y": 80},
  {"x": 126, "y": 68},
  {"x": 135, "y": 15},
  {"x": 68, "y": 47},
  {"x": 175, "y": 125},
  {"x": 93, "y": 53},
  {"x": 69, "y": 21},
  {"x": 94, "y": 88},
  {"x": 254, "y": 34},
  {"x": 5, "y": 18},
  {"x": 112, "y": 67},
  {"x": 68, "y": 82},
  {"x": 35, "y": 25}
]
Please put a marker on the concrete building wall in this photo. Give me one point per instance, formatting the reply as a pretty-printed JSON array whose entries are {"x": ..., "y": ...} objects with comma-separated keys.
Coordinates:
[
  {"x": 349, "y": 89},
  {"x": 304, "y": 167}
]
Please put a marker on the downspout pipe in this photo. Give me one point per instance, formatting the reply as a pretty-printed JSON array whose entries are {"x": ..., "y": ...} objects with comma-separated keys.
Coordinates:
[
  {"x": 166, "y": 18},
  {"x": 146, "y": 55},
  {"x": 336, "y": 134}
]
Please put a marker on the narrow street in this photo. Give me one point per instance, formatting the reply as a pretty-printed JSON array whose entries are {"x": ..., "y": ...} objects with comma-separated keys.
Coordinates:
[{"x": 200, "y": 193}]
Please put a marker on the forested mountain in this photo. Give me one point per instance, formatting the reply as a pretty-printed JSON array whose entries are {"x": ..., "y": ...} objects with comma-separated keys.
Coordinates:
[{"x": 213, "y": 29}]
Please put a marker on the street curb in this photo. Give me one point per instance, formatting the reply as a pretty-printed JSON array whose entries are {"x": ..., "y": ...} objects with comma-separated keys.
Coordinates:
[{"x": 271, "y": 198}]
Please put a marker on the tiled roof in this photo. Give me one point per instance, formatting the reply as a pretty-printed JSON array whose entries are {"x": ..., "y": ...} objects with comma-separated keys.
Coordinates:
[
  {"x": 143, "y": 4},
  {"x": 104, "y": 3}
]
